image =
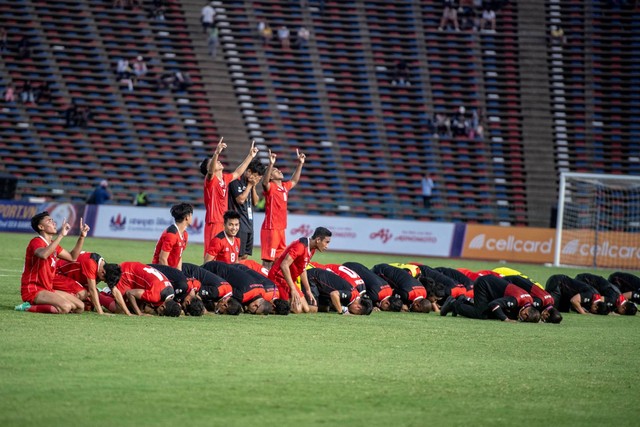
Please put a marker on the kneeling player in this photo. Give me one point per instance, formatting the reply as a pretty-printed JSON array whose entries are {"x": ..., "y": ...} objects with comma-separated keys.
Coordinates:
[{"x": 333, "y": 292}]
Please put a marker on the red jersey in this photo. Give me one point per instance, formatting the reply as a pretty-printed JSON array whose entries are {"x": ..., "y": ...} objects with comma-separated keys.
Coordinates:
[
  {"x": 39, "y": 272},
  {"x": 544, "y": 296},
  {"x": 216, "y": 201},
  {"x": 221, "y": 249},
  {"x": 255, "y": 266},
  {"x": 301, "y": 255},
  {"x": 275, "y": 207},
  {"x": 347, "y": 274},
  {"x": 136, "y": 275},
  {"x": 522, "y": 296},
  {"x": 83, "y": 269},
  {"x": 173, "y": 243}
]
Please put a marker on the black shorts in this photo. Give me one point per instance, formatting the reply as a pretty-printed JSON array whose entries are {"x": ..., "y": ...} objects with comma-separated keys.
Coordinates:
[{"x": 246, "y": 242}]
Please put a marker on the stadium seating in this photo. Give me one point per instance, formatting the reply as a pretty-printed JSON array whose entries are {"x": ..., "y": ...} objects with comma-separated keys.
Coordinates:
[{"x": 368, "y": 137}]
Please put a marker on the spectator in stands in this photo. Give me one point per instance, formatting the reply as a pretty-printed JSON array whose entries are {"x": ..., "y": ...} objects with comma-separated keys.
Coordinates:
[
  {"x": 9, "y": 94},
  {"x": 460, "y": 125},
  {"x": 140, "y": 67},
  {"x": 213, "y": 41},
  {"x": 442, "y": 124},
  {"x": 401, "y": 73},
  {"x": 70, "y": 115},
  {"x": 24, "y": 48},
  {"x": 26, "y": 93},
  {"x": 283, "y": 36},
  {"x": 467, "y": 15},
  {"x": 207, "y": 16},
  {"x": 125, "y": 73},
  {"x": 3, "y": 40},
  {"x": 100, "y": 194},
  {"x": 449, "y": 14},
  {"x": 181, "y": 81},
  {"x": 142, "y": 198},
  {"x": 302, "y": 39},
  {"x": 43, "y": 93},
  {"x": 488, "y": 16},
  {"x": 427, "y": 190},
  {"x": 265, "y": 32},
  {"x": 556, "y": 36}
]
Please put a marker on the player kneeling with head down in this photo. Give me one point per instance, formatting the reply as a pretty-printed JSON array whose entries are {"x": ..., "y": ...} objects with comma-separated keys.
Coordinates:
[
  {"x": 333, "y": 292},
  {"x": 140, "y": 282}
]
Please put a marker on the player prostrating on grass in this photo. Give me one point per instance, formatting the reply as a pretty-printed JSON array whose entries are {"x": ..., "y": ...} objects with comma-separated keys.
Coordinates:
[
  {"x": 407, "y": 287},
  {"x": 216, "y": 183},
  {"x": 40, "y": 262},
  {"x": 225, "y": 246},
  {"x": 142, "y": 282},
  {"x": 335, "y": 293},
  {"x": 276, "y": 194},
  {"x": 89, "y": 269},
  {"x": 291, "y": 265},
  {"x": 173, "y": 240}
]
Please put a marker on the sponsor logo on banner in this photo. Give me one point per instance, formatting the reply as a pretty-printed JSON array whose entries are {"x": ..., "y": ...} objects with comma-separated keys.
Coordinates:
[
  {"x": 509, "y": 243},
  {"x": 385, "y": 235},
  {"x": 303, "y": 230},
  {"x": 196, "y": 226},
  {"x": 16, "y": 215},
  {"x": 606, "y": 249},
  {"x": 118, "y": 222}
]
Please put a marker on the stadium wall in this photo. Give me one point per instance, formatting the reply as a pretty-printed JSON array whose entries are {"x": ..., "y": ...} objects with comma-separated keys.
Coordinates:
[{"x": 415, "y": 238}]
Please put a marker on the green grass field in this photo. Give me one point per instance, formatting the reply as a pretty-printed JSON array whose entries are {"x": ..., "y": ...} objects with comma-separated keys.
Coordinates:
[{"x": 387, "y": 369}]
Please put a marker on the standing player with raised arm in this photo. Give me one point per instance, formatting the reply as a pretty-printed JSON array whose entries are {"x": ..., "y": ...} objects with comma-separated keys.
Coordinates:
[
  {"x": 276, "y": 192},
  {"x": 216, "y": 182}
]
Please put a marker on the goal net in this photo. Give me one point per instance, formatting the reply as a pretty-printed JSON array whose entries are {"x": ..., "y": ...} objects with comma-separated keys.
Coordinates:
[{"x": 598, "y": 221}]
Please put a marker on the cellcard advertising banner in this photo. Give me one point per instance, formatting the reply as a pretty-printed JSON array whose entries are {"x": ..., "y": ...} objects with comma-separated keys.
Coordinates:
[
  {"x": 614, "y": 249},
  {"x": 15, "y": 216},
  {"x": 526, "y": 244}
]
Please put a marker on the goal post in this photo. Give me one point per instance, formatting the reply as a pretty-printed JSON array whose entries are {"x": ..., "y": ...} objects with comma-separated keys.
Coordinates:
[{"x": 598, "y": 221}]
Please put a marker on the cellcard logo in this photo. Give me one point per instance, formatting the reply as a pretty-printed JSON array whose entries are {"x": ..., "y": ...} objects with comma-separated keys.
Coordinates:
[
  {"x": 304, "y": 230},
  {"x": 196, "y": 226},
  {"x": 606, "y": 249},
  {"x": 118, "y": 222},
  {"x": 510, "y": 244},
  {"x": 477, "y": 242},
  {"x": 383, "y": 234}
]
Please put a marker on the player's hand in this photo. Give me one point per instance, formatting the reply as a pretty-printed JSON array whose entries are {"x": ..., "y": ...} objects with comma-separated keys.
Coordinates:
[
  {"x": 254, "y": 150},
  {"x": 301, "y": 156},
  {"x": 272, "y": 158},
  {"x": 64, "y": 230},
  {"x": 312, "y": 300},
  {"x": 106, "y": 314},
  {"x": 254, "y": 179},
  {"x": 84, "y": 228},
  {"x": 510, "y": 321},
  {"x": 296, "y": 305},
  {"x": 221, "y": 146}
]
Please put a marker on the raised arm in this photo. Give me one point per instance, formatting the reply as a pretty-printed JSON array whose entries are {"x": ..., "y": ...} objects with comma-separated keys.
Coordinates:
[
  {"x": 243, "y": 166},
  {"x": 214, "y": 159},
  {"x": 46, "y": 252},
  {"x": 266, "y": 179},
  {"x": 77, "y": 249},
  {"x": 296, "y": 174}
]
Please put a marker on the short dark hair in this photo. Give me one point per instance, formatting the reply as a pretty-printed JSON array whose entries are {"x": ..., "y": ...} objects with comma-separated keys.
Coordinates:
[
  {"x": 367, "y": 306},
  {"x": 534, "y": 315},
  {"x": 264, "y": 307},
  {"x": 257, "y": 167},
  {"x": 630, "y": 308},
  {"x": 36, "y": 219},
  {"x": 234, "y": 307},
  {"x": 602, "y": 308},
  {"x": 204, "y": 166},
  {"x": 172, "y": 308},
  {"x": 112, "y": 274},
  {"x": 321, "y": 233},
  {"x": 554, "y": 316},
  {"x": 230, "y": 215},
  {"x": 180, "y": 211},
  {"x": 281, "y": 307},
  {"x": 422, "y": 306},
  {"x": 395, "y": 304},
  {"x": 195, "y": 307}
]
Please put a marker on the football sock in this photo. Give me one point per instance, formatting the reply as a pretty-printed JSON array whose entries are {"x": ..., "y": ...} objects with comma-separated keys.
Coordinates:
[{"x": 43, "y": 308}]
